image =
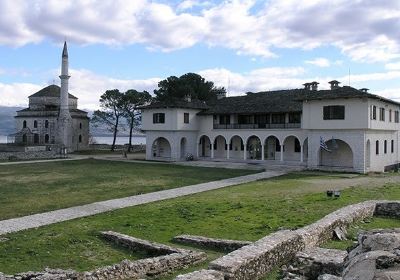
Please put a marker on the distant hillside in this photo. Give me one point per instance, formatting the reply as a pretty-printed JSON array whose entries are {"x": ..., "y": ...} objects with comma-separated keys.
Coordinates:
[{"x": 7, "y": 122}]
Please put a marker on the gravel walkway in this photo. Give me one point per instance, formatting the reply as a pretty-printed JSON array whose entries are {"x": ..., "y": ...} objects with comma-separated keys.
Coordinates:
[{"x": 38, "y": 220}]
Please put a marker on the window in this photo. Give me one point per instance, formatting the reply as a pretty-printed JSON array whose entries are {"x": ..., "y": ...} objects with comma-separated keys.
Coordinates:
[
  {"x": 377, "y": 147},
  {"x": 294, "y": 117},
  {"x": 278, "y": 118},
  {"x": 24, "y": 124},
  {"x": 46, "y": 139},
  {"x": 335, "y": 112},
  {"x": 186, "y": 117},
  {"x": 396, "y": 116},
  {"x": 80, "y": 138},
  {"x": 297, "y": 148},
  {"x": 224, "y": 119},
  {"x": 382, "y": 114},
  {"x": 159, "y": 118},
  {"x": 385, "y": 147},
  {"x": 46, "y": 124},
  {"x": 36, "y": 138},
  {"x": 373, "y": 112},
  {"x": 35, "y": 124},
  {"x": 390, "y": 115},
  {"x": 392, "y": 146},
  {"x": 80, "y": 125}
]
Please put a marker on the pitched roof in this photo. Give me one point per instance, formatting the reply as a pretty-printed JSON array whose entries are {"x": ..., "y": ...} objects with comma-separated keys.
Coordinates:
[
  {"x": 284, "y": 100},
  {"x": 260, "y": 102},
  {"x": 343, "y": 92},
  {"x": 174, "y": 103},
  {"x": 51, "y": 91}
]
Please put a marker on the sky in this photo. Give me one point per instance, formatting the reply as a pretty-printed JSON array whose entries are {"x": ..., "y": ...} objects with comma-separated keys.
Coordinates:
[{"x": 243, "y": 45}]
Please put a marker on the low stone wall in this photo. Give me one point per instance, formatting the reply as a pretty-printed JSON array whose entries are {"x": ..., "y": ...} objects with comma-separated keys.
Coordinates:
[
  {"x": 259, "y": 258},
  {"x": 388, "y": 209},
  {"x": 171, "y": 260},
  {"x": 202, "y": 275},
  {"x": 135, "y": 148},
  {"x": 212, "y": 243},
  {"x": 136, "y": 244},
  {"x": 256, "y": 260},
  {"x": 322, "y": 230},
  {"x": 28, "y": 155}
]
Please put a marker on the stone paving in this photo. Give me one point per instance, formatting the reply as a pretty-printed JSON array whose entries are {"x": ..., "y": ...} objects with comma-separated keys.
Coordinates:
[{"x": 38, "y": 220}]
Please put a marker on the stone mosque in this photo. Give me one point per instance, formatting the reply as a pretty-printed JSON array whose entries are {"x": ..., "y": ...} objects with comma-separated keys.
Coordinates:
[{"x": 53, "y": 118}]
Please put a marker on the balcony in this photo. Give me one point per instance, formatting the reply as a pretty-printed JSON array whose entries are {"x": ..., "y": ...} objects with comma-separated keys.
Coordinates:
[{"x": 258, "y": 126}]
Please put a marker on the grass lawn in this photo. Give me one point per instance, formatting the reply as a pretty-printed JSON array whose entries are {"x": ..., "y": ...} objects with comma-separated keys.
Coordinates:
[
  {"x": 33, "y": 188},
  {"x": 246, "y": 212}
]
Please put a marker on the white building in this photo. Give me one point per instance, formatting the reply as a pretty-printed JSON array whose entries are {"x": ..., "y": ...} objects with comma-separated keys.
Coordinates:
[{"x": 338, "y": 129}]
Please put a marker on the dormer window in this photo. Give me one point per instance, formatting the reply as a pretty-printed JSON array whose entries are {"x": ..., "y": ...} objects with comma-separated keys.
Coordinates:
[{"x": 158, "y": 118}]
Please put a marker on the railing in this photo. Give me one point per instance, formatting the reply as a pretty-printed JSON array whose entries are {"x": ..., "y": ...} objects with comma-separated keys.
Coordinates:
[{"x": 257, "y": 126}]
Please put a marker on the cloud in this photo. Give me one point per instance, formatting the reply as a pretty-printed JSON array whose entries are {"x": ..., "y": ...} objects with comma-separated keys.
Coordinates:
[
  {"x": 365, "y": 30},
  {"x": 88, "y": 86},
  {"x": 393, "y": 66},
  {"x": 320, "y": 62},
  {"x": 84, "y": 84}
]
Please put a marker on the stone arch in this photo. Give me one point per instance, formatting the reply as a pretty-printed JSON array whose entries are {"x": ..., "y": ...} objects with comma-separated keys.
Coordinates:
[
  {"x": 368, "y": 154},
  {"x": 236, "y": 147},
  {"x": 291, "y": 148},
  {"x": 161, "y": 148},
  {"x": 272, "y": 148},
  {"x": 340, "y": 154},
  {"x": 183, "y": 147},
  {"x": 24, "y": 138},
  {"x": 220, "y": 147},
  {"x": 204, "y": 146},
  {"x": 254, "y": 147}
]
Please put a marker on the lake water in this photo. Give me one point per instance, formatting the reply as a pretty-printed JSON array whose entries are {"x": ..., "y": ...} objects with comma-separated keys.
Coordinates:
[{"x": 136, "y": 140}]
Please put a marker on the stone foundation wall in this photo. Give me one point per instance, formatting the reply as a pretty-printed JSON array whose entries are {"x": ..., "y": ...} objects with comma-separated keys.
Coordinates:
[
  {"x": 256, "y": 260},
  {"x": 173, "y": 259},
  {"x": 28, "y": 155},
  {"x": 212, "y": 243}
]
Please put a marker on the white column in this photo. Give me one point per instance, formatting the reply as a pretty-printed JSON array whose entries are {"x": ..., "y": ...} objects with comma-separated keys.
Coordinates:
[
  {"x": 301, "y": 154},
  {"x": 281, "y": 152},
  {"x": 197, "y": 150},
  {"x": 227, "y": 151},
  {"x": 245, "y": 152},
  {"x": 262, "y": 151},
  {"x": 212, "y": 150}
]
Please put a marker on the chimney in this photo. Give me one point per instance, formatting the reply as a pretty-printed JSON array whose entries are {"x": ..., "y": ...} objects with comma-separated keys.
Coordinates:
[
  {"x": 307, "y": 86},
  {"x": 365, "y": 90},
  {"x": 314, "y": 86},
  {"x": 221, "y": 94},
  {"x": 334, "y": 84}
]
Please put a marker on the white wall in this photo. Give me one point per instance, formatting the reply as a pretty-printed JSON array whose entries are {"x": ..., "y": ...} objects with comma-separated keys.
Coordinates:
[
  {"x": 378, "y": 124},
  {"x": 378, "y": 162},
  {"x": 356, "y": 114},
  {"x": 174, "y": 119}
]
